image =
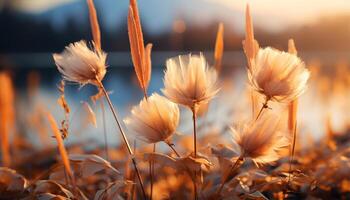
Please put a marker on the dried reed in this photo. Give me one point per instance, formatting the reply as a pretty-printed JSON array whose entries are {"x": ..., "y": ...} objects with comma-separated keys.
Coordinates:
[
  {"x": 95, "y": 27},
  {"x": 250, "y": 48},
  {"x": 62, "y": 150},
  {"x": 292, "y": 114},
  {"x": 83, "y": 65},
  {"x": 7, "y": 111},
  {"x": 96, "y": 33},
  {"x": 219, "y": 48},
  {"x": 141, "y": 56}
]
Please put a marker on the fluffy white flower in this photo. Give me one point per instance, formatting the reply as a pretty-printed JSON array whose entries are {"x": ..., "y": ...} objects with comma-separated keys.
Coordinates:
[
  {"x": 279, "y": 76},
  {"x": 260, "y": 140},
  {"x": 78, "y": 63},
  {"x": 154, "y": 119},
  {"x": 189, "y": 81}
]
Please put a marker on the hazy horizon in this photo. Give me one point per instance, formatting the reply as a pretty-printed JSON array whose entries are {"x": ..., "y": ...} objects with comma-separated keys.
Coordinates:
[{"x": 266, "y": 13}]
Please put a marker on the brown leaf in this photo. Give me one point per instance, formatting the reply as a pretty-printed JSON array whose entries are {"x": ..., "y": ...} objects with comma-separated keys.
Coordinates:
[
  {"x": 113, "y": 191},
  {"x": 188, "y": 163},
  {"x": 224, "y": 155},
  {"x": 11, "y": 182},
  {"x": 90, "y": 115},
  {"x": 85, "y": 166},
  {"x": 48, "y": 188},
  {"x": 91, "y": 164},
  {"x": 162, "y": 159},
  {"x": 49, "y": 196}
]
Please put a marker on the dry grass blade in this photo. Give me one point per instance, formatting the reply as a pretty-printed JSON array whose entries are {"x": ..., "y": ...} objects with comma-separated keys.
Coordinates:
[
  {"x": 6, "y": 116},
  {"x": 250, "y": 45},
  {"x": 293, "y": 105},
  {"x": 148, "y": 63},
  {"x": 133, "y": 6},
  {"x": 61, "y": 147},
  {"x": 219, "y": 47},
  {"x": 64, "y": 105},
  {"x": 95, "y": 28},
  {"x": 91, "y": 117},
  {"x": 140, "y": 56},
  {"x": 62, "y": 100},
  {"x": 291, "y": 47}
]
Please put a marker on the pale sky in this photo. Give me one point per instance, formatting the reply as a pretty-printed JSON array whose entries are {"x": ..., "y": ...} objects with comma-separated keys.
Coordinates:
[
  {"x": 279, "y": 13},
  {"x": 269, "y": 14}
]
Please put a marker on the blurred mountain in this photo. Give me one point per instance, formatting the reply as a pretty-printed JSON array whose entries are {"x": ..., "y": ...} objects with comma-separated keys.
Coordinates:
[
  {"x": 157, "y": 15},
  {"x": 168, "y": 24}
]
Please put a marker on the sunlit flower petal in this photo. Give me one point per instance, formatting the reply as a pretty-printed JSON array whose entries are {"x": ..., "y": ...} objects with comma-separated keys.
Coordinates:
[
  {"x": 260, "y": 140},
  {"x": 154, "y": 119},
  {"x": 279, "y": 76},
  {"x": 78, "y": 63},
  {"x": 189, "y": 81}
]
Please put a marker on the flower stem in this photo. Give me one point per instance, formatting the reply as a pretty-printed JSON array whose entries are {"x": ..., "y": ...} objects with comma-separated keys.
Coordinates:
[
  {"x": 174, "y": 150},
  {"x": 151, "y": 171},
  {"x": 124, "y": 136},
  {"x": 292, "y": 151},
  {"x": 194, "y": 117},
  {"x": 264, "y": 106},
  {"x": 193, "y": 179},
  {"x": 234, "y": 166},
  {"x": 104, "y": 128}
]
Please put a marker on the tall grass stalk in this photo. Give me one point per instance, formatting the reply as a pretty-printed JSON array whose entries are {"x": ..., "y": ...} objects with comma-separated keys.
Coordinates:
[
  {"x": 104, "y": 128},
  {"x": 131, "y": 153},
  {"x": 292, "y": 115},
  {"x": 6, "y": 117},
  {"x": 96, "y": 34},
  {"x": 141, "y": 58},
  {"x": 194, "y": 119},
  {"x": 250, "y": 47},
  {"x": 62, "y": 150}
]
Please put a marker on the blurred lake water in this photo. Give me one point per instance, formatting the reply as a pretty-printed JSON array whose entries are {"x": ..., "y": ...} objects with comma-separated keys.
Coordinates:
[{"x": 121, "y": 81}]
